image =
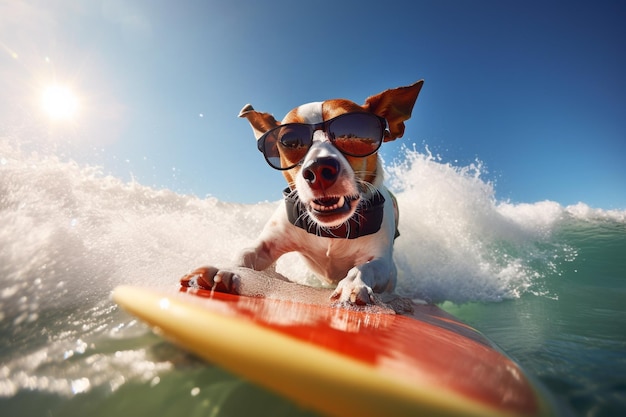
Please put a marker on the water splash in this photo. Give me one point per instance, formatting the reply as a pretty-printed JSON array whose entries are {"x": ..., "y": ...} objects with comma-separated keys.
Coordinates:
[{"x": 459, "y": 243}]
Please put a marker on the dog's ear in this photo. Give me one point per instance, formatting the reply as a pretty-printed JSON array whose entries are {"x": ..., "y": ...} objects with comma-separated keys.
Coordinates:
[
  {"x": 396, "y": 106},
  {"x": 260, "y": 122}
]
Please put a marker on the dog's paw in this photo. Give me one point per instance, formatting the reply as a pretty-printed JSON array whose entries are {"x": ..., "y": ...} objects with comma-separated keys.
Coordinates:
[
  {"x": 354, "y": 291},
  {"x": 211, "y": 278}
]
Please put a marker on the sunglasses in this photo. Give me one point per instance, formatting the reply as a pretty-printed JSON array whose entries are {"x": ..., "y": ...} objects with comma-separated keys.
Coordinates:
[{"x": 353, "y": 134}]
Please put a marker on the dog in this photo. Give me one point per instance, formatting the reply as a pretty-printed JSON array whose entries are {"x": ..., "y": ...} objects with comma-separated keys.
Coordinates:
[{"x": 336, "y": 212}]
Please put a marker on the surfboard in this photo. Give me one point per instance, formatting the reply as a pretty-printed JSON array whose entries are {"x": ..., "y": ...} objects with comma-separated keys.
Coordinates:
[{"x": 344, "y": 361}]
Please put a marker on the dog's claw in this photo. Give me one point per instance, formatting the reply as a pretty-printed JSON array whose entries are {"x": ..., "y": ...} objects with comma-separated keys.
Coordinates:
[
  {"x": 199, "y": 278},
  {"x": 213, "y": 279},
  {"x": 357, "y": 295}
]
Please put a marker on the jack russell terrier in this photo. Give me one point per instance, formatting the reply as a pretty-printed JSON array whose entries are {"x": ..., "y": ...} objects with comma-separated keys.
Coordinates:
[{"x": 336, "y": 212}]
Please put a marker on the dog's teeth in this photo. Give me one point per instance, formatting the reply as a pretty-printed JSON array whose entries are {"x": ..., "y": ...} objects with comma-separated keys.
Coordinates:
[{"x": 328, "y": 204}]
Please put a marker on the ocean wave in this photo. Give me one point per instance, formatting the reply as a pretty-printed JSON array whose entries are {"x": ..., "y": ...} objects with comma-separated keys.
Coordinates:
[{"x": 70, "y": 234}]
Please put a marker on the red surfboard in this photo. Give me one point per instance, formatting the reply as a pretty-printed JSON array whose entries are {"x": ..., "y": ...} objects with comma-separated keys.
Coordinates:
[{"x": 360, "y": 361}]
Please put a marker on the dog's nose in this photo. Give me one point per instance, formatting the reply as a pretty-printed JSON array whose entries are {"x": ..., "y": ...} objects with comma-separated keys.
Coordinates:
[{"x": 321, "y": 173}]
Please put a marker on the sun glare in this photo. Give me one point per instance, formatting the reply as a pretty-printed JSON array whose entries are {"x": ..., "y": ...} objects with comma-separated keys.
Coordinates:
[{"x": 59, "y": 103}]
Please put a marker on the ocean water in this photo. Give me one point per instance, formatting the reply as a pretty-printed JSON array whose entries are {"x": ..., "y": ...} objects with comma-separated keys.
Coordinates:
[{"x": 547, "y": 283}]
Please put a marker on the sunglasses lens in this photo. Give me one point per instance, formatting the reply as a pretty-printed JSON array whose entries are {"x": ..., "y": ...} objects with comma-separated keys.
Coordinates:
[
  {"x": 285, "y": 146},
  {"x": 357, "y": 134}
]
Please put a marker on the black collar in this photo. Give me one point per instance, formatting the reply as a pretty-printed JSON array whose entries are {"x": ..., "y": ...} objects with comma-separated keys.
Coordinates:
[{"x": 365, "y": 221}]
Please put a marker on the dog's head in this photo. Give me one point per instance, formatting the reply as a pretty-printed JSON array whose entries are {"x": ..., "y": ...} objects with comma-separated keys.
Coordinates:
[{"x": 328, "y": 150}]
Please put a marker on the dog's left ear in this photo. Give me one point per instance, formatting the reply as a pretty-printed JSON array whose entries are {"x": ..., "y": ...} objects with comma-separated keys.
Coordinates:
[
  {"x": 396, "y": 106},
  {"x": 260, "y": 122}
]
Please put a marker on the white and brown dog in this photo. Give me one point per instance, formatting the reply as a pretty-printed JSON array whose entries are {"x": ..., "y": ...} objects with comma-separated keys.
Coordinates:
[{"x": 336, "y": 212}]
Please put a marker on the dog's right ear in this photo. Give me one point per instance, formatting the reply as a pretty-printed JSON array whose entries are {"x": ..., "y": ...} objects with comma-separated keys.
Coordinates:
[{"x": 260, "y": 122}]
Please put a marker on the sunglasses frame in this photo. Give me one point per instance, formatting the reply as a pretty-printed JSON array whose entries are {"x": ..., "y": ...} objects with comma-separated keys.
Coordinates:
[{"x": 324, "y": 126}]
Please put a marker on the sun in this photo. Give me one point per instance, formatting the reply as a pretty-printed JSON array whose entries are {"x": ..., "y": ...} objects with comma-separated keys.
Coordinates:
[{"x": 59, "y": 103}]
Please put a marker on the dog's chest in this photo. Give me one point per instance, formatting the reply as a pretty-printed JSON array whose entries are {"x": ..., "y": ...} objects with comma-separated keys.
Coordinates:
[{"x": 331, "y": 259}]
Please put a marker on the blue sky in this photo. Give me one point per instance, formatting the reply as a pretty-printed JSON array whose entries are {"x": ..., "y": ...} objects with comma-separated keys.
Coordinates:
[{"x": 536, "y": 90}]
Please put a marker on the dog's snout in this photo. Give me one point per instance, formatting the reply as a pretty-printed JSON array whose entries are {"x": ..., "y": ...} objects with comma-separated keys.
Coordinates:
[{"x": 321, "y": 173}]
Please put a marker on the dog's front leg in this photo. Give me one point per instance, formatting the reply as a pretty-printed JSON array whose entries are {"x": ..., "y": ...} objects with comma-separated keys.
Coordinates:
[
  {"x": 227, "y": 280},
  {"x": 259, "y": 257},
  {"x": 271, "y": 244},
  {"x": 362, "y": 281}
]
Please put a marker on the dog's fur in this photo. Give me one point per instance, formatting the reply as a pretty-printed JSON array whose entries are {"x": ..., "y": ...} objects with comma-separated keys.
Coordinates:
[{"x": 358, "y": 267}]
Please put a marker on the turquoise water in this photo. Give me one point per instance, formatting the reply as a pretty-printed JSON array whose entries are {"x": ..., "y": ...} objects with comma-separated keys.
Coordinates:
[
  {"x": 545, "y": 282},
  {"x": 575, "y": 340}
]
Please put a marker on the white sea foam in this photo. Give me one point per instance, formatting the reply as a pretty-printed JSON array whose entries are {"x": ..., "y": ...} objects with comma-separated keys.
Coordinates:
[{"x": 458, "y": 243}]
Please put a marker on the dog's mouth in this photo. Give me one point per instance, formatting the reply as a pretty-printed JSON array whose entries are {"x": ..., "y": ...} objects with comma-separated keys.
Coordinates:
[
  {"x": 330, "y": 204},
  {"x": 333, "y": 210}
]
